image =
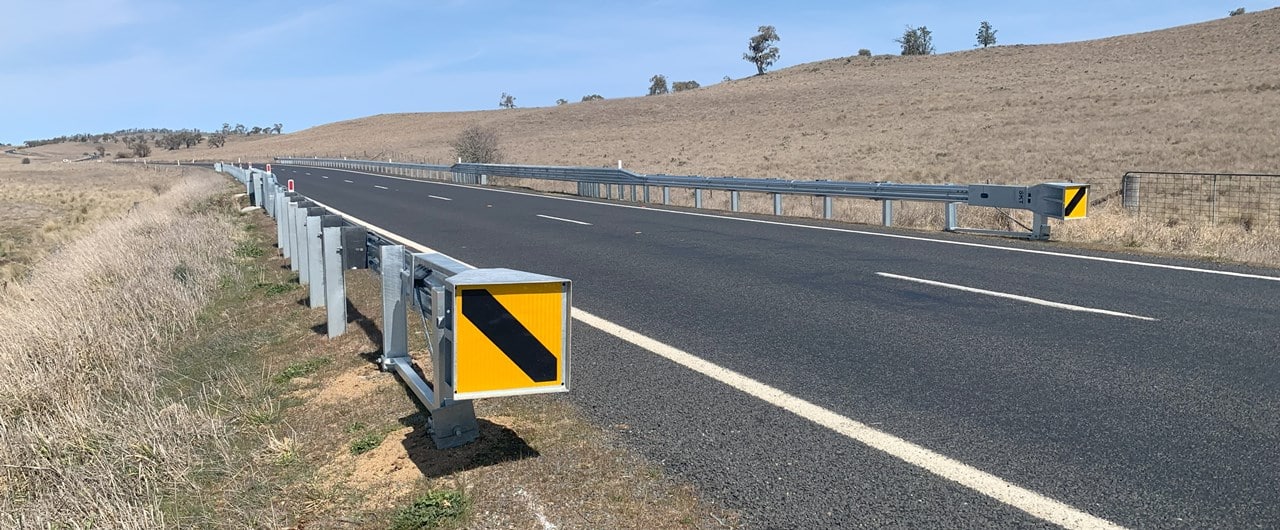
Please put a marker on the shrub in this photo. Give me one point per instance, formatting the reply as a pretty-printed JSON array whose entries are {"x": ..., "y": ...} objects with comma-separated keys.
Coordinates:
[
  {"x": 681, "y": 86},
  {"x": 1236, "y": 11},
  {"x": 477, "y": 145},
  {"x": 26, "y": 160},
  {"x": 864, "y": 53},
  {"x": 592, "y": 97}
]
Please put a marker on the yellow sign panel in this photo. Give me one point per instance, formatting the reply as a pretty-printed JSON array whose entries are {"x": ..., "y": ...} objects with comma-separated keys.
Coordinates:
[
  {"x": 1075, "y": 202},
  {"x": 509, "y": 339}
]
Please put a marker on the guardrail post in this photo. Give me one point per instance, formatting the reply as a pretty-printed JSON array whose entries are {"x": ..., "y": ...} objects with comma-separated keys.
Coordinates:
[
  {"x": 666, "y": 195},
  {"x": 633, "y": 193},
  {"x": 285, "y": 224},
  {"x": 888, "y": 212},
  {"x": 826, "y": 208},
  {"x": 395, "y": 336},
  {"x": 697, "y": 198},
  {"x": 1040, "y": 226},
  {"x": 951, "y": 217},
  {"x": 334, "y": 282},
  {"x": 777, "y": 204},
  {"x": 733, "y": 200},
  {"x": 315, "y": 262},
  {"x": 646, "y": 194}
]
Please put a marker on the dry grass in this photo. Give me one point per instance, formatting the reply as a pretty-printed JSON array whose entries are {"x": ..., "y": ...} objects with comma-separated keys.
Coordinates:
[
  {"x": 86, "y": 439},
  {"x": 1204, "y": 97},
  {"x": 49, "y": 204}
]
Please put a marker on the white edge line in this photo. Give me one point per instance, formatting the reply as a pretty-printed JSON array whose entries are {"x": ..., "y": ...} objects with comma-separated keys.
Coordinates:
[
  {"x": 1020, "y": 298},
  {"x": 847, "y": 230},
  {"x": 439, "y": 197},
  {"x": 984, "y": 483},
  {"x": 565, "y": 220},
  {"x": 1033, "y": 503}
]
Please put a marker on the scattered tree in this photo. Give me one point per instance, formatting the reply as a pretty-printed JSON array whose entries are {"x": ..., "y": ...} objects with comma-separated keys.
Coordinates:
[
  {"x": 986, "y": 35},
  {"x": 592, "y": 97},
  {"x": 1236, "y": 11},
  {"x": 864, "y": 52},
  {"x": 916, "y": 41},
  {"x": 658, "y": 85},
  {"x": 507, "y": 101},
  {"x": 217, "y": 140},
  {"x": 277, "y": 128},
  {"x": 139, "y": 146},
  {"x": 726, "y": 79},
  {"x": 101, "y": 150},
  {"x": 562, "y": 101},
  {"x": 761, "y": 51},
  {"x": 226, "y": 128},
  {"x": 681, "y": 86},
  {"x": 477, "y": 145},
  {"x": 240, "y": 130}
]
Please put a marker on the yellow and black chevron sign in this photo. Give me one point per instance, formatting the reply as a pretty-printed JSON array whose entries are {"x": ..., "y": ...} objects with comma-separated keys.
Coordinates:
[
  {"x": 510, "y": 339},
  {"x": 1075, "y": 202}
]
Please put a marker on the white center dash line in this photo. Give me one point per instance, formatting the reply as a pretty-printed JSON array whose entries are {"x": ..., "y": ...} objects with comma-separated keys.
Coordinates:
[
  {"x": 380, "y": 187},
  {"x": 1020, "y": 298},
  {"x": 321, "y": 176},
  {"x": 564, "y": 220},
  {"x": 347, "y": 181},
  {"x": 440, "y": 198}
]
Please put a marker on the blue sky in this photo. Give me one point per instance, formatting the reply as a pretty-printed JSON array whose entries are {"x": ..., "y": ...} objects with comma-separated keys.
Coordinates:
[{"x": 72, "y": 66}]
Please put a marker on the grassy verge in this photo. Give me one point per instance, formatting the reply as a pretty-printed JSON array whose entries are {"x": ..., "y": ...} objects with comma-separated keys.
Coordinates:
[
  {"x": 319, "y": 437},
  {"x": 159, "y": 373}
]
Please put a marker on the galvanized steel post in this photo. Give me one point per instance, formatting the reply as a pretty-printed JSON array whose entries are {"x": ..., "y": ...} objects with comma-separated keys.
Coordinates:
[
  {"x": 334, "y": 282},
  {"x": 733, "y": 200},
  {"x": 697, "y": 198},
  {"x": 952, "y": 223},
  {"x": 315, "y": 262},
  {"x": 395, "y": 333},
  {"x": 777, "y": 204},
  {"x": 888, "y": 212},
  {"x": 826, "y": 208}
]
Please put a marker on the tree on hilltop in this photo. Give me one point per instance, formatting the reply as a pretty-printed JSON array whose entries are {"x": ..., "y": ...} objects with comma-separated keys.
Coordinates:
[
  {"x": 916, "y": 41},
  {"x": 761, "y": 51},
  {"x": 658, "y": 85},
  {"x": 506, "y": 101},
  {"x": 986, "y": 35}
]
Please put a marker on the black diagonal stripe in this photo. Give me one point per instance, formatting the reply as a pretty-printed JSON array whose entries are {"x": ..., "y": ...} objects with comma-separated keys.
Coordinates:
[
  {"x": 1075, "y": 201},
  {"x": 509, "y": 335}
]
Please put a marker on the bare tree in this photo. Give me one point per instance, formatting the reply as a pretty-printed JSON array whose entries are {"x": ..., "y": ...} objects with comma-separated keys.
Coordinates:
[
  {"x": 477, "y": 145},
  {"x": 761, "y": 51}
]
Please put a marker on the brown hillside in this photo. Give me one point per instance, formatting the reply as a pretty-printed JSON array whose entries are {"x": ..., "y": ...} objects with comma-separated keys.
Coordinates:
[{"x": 1203, "y": 97}]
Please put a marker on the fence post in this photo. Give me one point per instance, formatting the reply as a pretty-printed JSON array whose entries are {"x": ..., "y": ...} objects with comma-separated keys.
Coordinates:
[
  {"x": 334, "y": 282},
  {"x": 1131, "y": 192},
  {"x": 888, "y": 212},
  {"x": 395, "y": 336}
]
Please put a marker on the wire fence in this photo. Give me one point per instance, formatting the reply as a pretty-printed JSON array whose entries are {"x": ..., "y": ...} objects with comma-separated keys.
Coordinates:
[{"x": 1251, "y": 200}]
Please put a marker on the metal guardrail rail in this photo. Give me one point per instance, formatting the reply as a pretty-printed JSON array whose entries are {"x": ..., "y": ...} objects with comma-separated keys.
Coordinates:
[
  {"x": 487, "y": 329},
  {"x": 1045, "y": 201}
]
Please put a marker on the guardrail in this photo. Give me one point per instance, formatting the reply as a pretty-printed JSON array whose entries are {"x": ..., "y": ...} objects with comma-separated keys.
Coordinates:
[
  {"x": 490, "y": 332},
  {"x": 1045, "y": 201}
]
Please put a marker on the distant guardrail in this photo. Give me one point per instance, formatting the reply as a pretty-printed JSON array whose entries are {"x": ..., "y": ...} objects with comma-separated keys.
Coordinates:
[
  {"x": 1045, "y": 201},
  {"x": 1247, "y": 199},
  {"x": 490, "y": 332}
]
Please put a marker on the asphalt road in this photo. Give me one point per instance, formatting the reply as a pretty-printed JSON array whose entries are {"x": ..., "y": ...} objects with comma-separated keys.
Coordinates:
[{"x": 1166, "y": 416}]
